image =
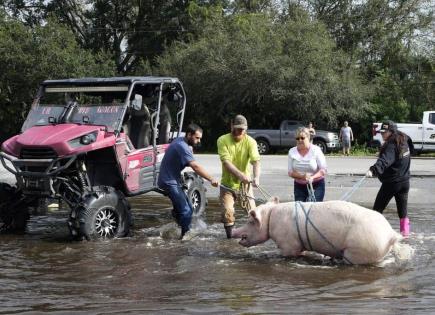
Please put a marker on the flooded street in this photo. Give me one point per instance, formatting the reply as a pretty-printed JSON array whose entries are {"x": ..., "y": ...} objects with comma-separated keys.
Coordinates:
[{"x": 153, "y": 272}]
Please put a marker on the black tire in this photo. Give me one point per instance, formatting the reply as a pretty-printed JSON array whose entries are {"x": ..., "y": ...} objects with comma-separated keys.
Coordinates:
[
  {"x": 263, "y": 146},
  {"x": 193, "y": 185},
  {"x": 40, "y": 206},
  {"x": 14, "y": 210},
  {"x": 103, "y": 214},
  {"x": 321, "y": 144}
]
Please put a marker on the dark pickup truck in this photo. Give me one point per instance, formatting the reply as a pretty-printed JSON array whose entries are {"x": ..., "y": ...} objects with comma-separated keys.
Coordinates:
[{"x": 284, "y": 137}]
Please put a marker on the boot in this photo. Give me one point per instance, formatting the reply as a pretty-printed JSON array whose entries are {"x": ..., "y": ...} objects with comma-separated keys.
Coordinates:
[
  {"x": 228, "y": 230},
  {"x": 404, "y": 227}
]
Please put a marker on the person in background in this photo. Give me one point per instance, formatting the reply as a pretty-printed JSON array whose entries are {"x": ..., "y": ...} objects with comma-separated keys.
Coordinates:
[
  {"x": 236, "y": 151},
  {"x": 307, "y": 165},
  {"x": 177, "y": 157},
  {"x": 312, "y": 131},
  {"x": 346, "y": 137},
  {"x": 392, "y": 169}
]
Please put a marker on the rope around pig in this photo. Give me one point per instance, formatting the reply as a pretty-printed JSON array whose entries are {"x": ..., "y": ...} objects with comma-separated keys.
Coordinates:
[{"x": 308, "y": 220}]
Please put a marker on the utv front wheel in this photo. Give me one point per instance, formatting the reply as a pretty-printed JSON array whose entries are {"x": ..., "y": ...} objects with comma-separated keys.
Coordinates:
[
  {"x": 195, "y": 190},
  {"x": 103, "y": 214}
]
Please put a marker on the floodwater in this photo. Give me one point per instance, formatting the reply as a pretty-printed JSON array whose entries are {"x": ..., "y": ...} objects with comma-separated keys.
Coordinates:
[{"x": 152, "y": 272}]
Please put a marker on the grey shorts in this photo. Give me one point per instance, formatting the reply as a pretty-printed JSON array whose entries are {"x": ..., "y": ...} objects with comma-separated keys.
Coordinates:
[{"x": 346, "y": 143}]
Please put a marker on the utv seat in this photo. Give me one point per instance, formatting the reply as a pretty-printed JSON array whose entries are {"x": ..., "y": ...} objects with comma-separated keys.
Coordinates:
[{"x": 138, "y": 128}]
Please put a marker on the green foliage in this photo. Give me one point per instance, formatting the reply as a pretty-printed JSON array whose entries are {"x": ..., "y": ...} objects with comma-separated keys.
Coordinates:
[
  {"x": 320, "y": 60},
  {"x": 29, "y": 56},
  {"x": 393, "y": 43},
  {"x": 268, "y": 70}
]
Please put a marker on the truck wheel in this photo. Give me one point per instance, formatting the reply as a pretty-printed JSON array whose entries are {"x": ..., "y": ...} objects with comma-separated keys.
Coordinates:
[
  {"x": 321, "y": 144},
  {"x": 14, "y": 210},
  {"x": 103, "y": 213},
  {"x": 193, "y": 185},
  {"x": 263, "y": 146}
]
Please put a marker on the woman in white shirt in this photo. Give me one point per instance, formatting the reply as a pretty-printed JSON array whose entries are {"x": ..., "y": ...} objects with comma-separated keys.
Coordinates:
[{"x": 306, "y": 164}]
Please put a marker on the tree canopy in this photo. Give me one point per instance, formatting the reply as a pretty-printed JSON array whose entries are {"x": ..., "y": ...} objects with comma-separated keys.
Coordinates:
[
  {"x": 319, "y": 60},
  {"x": 266, "y": 69},
  {"x": 30, "y": 56}
]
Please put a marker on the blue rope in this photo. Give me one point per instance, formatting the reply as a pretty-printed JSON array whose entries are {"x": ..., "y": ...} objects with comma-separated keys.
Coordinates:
[
  {"x": 307, "y": 214},
  {"x": 308, "y": 220},
  {"x": 311, "y": 196},
  {"x": 347, "y": 195},
  {"x": 297, "y": 226}
]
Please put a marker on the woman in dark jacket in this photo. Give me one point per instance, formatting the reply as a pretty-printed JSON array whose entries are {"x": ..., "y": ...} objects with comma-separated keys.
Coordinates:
[{"x": 392, "y": 169}]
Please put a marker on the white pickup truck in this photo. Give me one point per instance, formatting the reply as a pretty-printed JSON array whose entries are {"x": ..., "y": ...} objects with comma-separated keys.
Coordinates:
[{"x": 422, "y": 135}]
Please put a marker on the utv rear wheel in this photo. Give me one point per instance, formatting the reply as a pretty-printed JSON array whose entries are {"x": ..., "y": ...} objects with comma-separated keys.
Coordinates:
[
  {"x": 103, "y": 214},
  {"x": 14, "y": 210},
  {"x": 195, "y": 190}
]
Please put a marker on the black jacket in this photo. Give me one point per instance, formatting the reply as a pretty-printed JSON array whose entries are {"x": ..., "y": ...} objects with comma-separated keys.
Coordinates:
[{"x": 393, "y": 163}]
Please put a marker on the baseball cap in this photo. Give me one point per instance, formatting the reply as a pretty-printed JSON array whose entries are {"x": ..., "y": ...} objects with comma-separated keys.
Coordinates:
[
  {"x": 240, "y": 122},
  {"x": 388, "y": 125}
]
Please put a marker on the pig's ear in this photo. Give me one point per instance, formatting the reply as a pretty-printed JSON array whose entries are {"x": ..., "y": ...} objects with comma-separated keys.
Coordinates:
[
  {"x": 256, "y": 216},
  {"x": 274, "y": 200}
]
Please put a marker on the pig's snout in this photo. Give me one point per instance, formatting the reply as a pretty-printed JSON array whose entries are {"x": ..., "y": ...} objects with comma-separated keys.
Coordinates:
[
  {"x": 239, "y": 233},
  {"x": 244, "y": 240},
  {"x": 236, "y": 233}
]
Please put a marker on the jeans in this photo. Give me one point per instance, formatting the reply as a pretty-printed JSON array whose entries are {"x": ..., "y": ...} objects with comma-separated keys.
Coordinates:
[
  {"x": 397, "y": 190},
  {"x": 182, "y": 208},
  {"x": 301, "y": 191}
]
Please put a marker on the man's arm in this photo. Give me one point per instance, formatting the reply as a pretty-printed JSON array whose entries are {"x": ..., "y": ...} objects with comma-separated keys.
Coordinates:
[
  {"x": 256, "y": 170},
  {"x": 200, "y": 170},
  {"x": 235, "y": 171}
]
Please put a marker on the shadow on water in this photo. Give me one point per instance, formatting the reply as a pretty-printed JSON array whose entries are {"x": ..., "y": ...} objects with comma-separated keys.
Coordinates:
[{"x": 153, "y": 272}]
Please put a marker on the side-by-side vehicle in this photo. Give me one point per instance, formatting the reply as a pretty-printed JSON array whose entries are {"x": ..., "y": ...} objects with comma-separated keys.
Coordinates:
[{"x": 90, "y": 143}]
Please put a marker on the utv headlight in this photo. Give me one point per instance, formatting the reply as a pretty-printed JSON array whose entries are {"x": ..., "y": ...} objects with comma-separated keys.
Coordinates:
[
  {"x": 83, "y": 140},
  {"x": 88, "y": 139}
]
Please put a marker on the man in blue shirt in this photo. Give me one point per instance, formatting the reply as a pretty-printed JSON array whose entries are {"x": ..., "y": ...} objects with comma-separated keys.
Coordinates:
[{"x": 177, "y": 157}]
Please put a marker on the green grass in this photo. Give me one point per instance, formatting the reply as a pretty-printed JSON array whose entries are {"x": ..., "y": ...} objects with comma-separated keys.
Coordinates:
[{"x": 358, "y": 150}]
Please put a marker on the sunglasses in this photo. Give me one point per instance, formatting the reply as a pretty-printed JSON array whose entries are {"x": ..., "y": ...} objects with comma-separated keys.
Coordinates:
[{"x": 300, "y": 138}]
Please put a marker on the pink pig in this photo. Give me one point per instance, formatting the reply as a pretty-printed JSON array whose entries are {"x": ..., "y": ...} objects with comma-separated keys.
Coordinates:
[{"x": 334, "y": 228}]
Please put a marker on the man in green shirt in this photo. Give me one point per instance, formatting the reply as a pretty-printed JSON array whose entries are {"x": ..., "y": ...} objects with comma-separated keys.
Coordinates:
[{"x": 236, "y": 151}]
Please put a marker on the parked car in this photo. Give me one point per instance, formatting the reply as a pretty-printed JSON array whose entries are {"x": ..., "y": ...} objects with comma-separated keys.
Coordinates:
[
  {"x": 421, "y": 134},
  {"x": 284, "y": 137},
  {"x": 91, "y": 143}
]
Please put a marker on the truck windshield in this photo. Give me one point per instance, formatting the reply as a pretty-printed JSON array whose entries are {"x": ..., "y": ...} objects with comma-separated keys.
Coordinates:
[{"x": 93, "y": 105}]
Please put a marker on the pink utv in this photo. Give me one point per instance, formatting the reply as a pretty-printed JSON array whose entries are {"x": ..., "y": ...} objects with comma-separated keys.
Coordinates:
[
  {"x": 91, "y": 143},
  {"x": 337, "y": 229}
]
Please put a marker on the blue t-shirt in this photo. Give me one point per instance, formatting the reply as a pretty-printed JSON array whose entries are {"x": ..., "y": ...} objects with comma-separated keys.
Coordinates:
[{"x": 176, "y": 158}]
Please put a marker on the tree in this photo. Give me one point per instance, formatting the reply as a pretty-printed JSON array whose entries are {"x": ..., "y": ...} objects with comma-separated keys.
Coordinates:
[
  {"x": 134, "y": 32},
  {"x": 29, "y": 56},
  {"x": 392, "y": 42},
  {"x": 265, "y": 69}
]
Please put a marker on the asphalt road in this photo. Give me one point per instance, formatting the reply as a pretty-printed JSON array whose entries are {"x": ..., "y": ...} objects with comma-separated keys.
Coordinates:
[{"x": 343, "y": 174}]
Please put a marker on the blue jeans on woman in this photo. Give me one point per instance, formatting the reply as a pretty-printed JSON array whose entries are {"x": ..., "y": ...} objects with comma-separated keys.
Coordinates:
[
  {"x": 301, "y": 191},
  {"x": 182, "y": 208}
]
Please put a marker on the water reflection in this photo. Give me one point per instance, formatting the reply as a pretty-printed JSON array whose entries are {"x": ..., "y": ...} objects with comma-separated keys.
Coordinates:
[{"x": 44, "y": 271}]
